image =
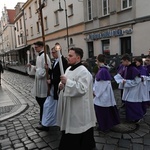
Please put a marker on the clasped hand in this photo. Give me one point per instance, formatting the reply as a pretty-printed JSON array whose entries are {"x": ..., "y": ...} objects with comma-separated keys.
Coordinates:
[{"x": 63, "y": 81}]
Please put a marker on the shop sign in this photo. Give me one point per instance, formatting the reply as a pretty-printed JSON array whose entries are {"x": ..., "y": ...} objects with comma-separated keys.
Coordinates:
[{"x": 108, "y": 34}]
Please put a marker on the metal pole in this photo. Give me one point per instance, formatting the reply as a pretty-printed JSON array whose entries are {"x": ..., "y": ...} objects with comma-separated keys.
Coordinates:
[{"x": 66, "y": 15}]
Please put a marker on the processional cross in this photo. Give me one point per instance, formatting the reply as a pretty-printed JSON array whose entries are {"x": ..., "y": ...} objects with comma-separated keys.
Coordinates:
[{"x": 40, "y": 19}]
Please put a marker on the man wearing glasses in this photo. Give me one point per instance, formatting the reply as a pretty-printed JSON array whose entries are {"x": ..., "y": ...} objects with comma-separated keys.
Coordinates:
[{"x": 50, "y": 105}]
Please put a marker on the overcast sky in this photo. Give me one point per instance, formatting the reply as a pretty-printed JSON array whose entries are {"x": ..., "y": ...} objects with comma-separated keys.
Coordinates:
[{"x": 10, "y": 4}]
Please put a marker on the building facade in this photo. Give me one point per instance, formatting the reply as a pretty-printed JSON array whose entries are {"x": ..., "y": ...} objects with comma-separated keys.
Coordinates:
[
  {"x": 97, "y": 26},
  {"x": 117, "y": 26},
  {"x": 21, "y": 46},
  {"x": 7, "y": 35},
  {"x": 65, "y": 25}
]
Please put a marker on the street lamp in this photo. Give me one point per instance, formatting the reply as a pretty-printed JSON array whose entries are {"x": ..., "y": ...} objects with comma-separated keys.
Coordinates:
[{"x": 60, "y": 9}]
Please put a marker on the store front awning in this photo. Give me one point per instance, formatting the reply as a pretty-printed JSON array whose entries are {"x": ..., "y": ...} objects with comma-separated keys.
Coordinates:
[{"x": 22, "y": 47}]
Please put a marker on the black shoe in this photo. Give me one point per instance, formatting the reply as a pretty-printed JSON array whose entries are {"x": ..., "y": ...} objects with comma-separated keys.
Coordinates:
[
  {"x": 40, "y": 123},
  {"x": 43, "y": 128},
  {"x": 95, "y": 148}
]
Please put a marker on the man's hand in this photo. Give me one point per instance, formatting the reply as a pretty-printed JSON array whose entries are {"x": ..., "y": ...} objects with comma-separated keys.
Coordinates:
[
  {"x": 63, "y": 79},
  {"x": 46, "y": 66},
  {"x": 61, "y": 86},
  {"x": 124, "y": 81},
  {"x": 49, "y": 81},
  {"x": 28, "y": 65}
]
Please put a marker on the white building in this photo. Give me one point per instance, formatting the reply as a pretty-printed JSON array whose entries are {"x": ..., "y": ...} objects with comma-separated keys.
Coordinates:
[
  {"x": 21, "y": 46},
  {"x": 117, "y": 26},
  {"x": 97, "y": 26},
  {"x": 54, "y": 21},
  {"x": 7, "y": 35}
]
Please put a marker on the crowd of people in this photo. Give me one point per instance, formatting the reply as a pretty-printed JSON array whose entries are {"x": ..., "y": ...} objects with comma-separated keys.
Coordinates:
[
  {"x": 134, "y": 85},
  {"x": 77, "y": 103},
  {"x": 69, "y": 103}
]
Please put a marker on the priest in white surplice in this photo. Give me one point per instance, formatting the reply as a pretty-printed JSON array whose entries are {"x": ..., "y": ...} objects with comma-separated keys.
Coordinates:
[{"x": 76, "y": 116}]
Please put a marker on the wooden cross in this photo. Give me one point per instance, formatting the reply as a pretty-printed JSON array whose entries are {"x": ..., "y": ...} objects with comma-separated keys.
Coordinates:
[{"x": 40, "y": 18}]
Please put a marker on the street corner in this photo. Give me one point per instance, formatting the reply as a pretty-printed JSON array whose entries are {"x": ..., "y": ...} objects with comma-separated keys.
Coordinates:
[{"x": 11, "y": 103}]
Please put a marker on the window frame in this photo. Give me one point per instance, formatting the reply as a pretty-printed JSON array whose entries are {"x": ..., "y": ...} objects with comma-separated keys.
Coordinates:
[
  {"x": 30, "y": 12},
  {"x": 56, "y": 18},
  {"x": 70, "y": 9},
  {"x": 89, "y": 10},
  {"x": 46, "y": 23},
  {"x": 107, "y": 8},
  {"x": 128, "y": 4},
  {"x": 38, "y": 27}
]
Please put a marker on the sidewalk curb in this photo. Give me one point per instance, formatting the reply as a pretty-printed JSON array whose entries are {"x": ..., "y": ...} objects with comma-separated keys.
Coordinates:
[
  {"x": 17, "y": 112},
  {"x": 20, "y": 104}
]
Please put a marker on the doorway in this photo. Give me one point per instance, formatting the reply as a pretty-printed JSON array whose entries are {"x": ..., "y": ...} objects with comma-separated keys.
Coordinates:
[{"x": 125, "y": 45}]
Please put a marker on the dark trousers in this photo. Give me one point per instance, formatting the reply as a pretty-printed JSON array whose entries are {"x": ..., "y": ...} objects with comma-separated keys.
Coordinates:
[
  {"x": 0, "y": 78},
  {"x": 41, "y": 101},
  {"x": 82, "y": 141}
]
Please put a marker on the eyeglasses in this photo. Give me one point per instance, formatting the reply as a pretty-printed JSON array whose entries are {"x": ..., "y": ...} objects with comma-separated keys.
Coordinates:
[
  {"x": 54, "y": 52},
  {"x": 36, "y": 46}
]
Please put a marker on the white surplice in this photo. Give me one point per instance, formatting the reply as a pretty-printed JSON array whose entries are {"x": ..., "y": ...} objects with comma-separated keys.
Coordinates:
[{"x": 75, "y": 105}]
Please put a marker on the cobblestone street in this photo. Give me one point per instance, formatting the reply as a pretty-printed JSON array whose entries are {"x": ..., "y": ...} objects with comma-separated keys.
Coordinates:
[{"x": 18, "y": 132}]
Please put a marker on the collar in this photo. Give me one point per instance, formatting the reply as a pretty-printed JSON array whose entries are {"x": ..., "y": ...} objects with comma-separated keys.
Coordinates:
[
  {"x": 75, "y": 66},
  {"x": 41, "y": 52}
]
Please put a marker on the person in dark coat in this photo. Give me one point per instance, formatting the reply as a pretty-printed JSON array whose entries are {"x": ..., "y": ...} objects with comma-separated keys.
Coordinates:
[
  {"x": 50, "y": 105},
  {"x": 1, "y": 70}
]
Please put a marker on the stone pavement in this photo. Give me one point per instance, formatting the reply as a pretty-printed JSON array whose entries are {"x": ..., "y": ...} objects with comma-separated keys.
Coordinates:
[
  {"x": 10, "y": 105},
  {"x": 19, "y": 115}
]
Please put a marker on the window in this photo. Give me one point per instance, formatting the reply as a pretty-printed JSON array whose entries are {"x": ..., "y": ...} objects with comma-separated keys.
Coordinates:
[
  {"x": 106, "y": 47},
  {"x": 71, "y": 41},
  {"x": 36, "y": 6},
  {"x": 25, "y": 16},
  {"x": 18, "y": 40},
  {"x": 56, "y": 18},
  {"x": 105, "y": 7},
  {"x": 17, "y": 26},
  {"x": 126, "y": 4},
  {"x": 31, "y": 31},
  {"x": 21, "y": 36},
  {"x": 30, "y": 12},
  {"x": 70, "y": 10},
  {"x": 20, "y": 24},
  {"x": 90, "y": 49},
  {"x": 89, "y": 7},
  {"x": 125, "y": 45},
  {"x": 27, "y": 32},
  {"x": 38, "y": 28},
  {"x": 45, "y": 23}
]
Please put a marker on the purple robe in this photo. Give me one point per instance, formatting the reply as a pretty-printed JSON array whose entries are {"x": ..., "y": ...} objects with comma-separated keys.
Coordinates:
[
  {"x": 103, "y": 74},
  {"x": 107, "y": 116},
  {"x": 131, "y": 72},
  {"x": 142, "y": 70},
  {"x": 121, "y": 70},
  {"x": 134, "y": 110},
  {"x": 148, "y": 69}
]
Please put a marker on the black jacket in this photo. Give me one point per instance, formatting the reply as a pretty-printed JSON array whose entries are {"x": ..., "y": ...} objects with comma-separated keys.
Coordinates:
[
  {"x": 55, "y": 75},
  {"x": 1, "y": 68}
]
